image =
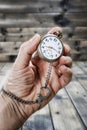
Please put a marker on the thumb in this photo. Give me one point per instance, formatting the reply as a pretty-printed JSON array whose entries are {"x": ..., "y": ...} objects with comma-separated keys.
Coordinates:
[{"x": 25, "y": 52}]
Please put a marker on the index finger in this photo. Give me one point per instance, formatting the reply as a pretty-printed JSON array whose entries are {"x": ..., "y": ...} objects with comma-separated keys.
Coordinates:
[{"x": 55, "y": 29}]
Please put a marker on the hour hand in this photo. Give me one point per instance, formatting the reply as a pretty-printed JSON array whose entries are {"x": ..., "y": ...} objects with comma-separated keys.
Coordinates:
[
  {"x": 53, "y": 48},
  {"x": 50, "y": 47}
]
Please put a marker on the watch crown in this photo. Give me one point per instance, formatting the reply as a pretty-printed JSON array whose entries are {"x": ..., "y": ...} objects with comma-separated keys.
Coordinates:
[{"x": 58, "y": 34}]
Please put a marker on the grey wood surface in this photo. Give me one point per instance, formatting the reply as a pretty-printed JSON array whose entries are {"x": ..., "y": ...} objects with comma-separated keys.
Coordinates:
[
  {"x": 82, "y": 78},
  {"x": 14, "y": 37},
  {"x": 20, "y": 20},
  {"x": 67, "y": 110}
]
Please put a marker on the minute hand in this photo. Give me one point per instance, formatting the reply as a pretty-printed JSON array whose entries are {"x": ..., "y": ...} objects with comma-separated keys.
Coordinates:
[{"x": 52, "y": 48}]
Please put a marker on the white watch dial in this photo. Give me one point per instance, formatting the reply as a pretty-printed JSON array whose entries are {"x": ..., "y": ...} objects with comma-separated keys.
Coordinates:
[{"x": 51, "y": 48}]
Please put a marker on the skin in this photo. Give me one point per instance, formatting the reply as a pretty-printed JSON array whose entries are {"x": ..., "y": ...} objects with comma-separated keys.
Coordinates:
[{"x": 27, "y": 75}]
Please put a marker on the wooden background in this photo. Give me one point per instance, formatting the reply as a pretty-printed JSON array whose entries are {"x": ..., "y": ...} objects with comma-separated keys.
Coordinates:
[{"x": 20, "y": 20}]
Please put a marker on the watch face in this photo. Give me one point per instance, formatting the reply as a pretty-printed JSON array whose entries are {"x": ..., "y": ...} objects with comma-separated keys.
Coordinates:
[{"x": 51, "y": 48}]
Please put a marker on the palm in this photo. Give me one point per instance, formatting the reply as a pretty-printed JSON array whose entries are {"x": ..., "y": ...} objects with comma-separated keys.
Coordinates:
[
  {"x": 33, "y": 78},
  {"x": 39, "y": 72}
]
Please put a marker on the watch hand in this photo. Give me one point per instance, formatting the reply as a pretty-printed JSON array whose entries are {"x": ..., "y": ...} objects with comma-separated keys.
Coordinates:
[
  {"x": 51, "y": 48},
  {"x": 54, "y": 49}
]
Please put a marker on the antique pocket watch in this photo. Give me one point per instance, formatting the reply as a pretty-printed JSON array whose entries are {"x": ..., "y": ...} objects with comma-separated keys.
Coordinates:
[{"x": 51, "y": 47}]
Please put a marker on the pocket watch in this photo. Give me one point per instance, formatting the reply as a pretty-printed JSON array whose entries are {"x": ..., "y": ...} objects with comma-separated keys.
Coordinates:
[{"x": 51, "y": 47}]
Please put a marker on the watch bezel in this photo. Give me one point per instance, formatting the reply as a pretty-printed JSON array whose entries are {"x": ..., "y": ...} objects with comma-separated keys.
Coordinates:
[{"x": 40, "y": 50}]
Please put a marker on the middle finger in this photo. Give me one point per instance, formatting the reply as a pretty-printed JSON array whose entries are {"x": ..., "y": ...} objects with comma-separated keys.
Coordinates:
[{"x": 65, "y": 60}]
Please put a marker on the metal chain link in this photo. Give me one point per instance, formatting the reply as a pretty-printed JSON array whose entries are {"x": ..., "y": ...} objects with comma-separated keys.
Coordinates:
[
  {"x": 48, "y": 75},
  {"x": 12, "y": 96}
]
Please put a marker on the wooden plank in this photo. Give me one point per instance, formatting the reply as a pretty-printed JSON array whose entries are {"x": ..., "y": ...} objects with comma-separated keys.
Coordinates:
[
  {"x": 77, "y": 7},
  {"x": 30, "y": 7},
  {"x": 18, "y": 22},
  {"x": 83, "y": 43},
  {"x": 80, "y": 9},
  {"x": 78, "y": 22},
  {"x": 27, "y": 33},
  {"x": 81, "y": 32},
  {"x": 6, "y": 68},
  {"x": 9, "y": 46},
  {"x": 83, "y": 57},
  {"x": 41, "y": 120},
  {"x": 78, "y": 96},
  {"x": 77, "y": 19},
  {"x": 1, "y": 15},
  {"x": 74, "y": 52},
  {"x": 77, "y": 3},
  {"x": 83, "y": 66},
  {"x": 15, "y": 35},
  {"x": 32, "y": 15},
  {"x": 31, "y": 20},
  {"x": 1, "y": 76},
  {"x": 76, "y": 70},
  {"x": 4, "y": 58},
  {"x": 13, "y": 30},
  {"x": 4, "y": 73},
  {"x": 82, "y": 78},
  {"x": 32, "y": 30},
  {"x": 83, "y": 50},
  {"x": 64, "y": 115},
  {"x": 75, "y": 16},
  {"x": 10, "y": 53},
  {"x": 25, "y": 1},
  {"x": 77, "y": 37},
  {"x": 80, "y": 46},
  {"x": 1, "y": 65}
]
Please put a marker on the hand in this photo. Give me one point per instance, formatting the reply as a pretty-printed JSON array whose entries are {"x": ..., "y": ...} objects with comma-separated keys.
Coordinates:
[{"x": 28, "y": 74}]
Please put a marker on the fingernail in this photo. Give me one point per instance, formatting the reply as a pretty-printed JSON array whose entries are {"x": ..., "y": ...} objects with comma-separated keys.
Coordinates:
[{"x": 35, "y": 54}]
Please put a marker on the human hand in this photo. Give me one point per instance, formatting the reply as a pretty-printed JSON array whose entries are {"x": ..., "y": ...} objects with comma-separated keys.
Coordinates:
[{"x": 28, "y": 75}]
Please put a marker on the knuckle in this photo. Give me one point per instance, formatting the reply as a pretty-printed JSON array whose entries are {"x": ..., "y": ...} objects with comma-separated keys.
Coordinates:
[
  {"x": 68, "y": 71},
  {"x": 69, "y": 60}
]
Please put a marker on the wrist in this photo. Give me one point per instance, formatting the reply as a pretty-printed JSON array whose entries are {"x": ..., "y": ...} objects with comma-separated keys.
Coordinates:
[{"x": 12, "y": 115}]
